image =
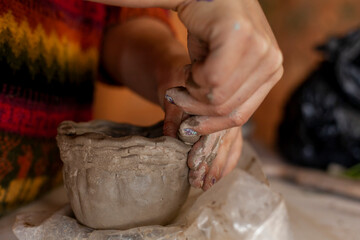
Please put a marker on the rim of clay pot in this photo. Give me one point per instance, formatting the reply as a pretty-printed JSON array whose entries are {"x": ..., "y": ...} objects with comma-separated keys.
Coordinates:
[{"x": 103, "y": 133}]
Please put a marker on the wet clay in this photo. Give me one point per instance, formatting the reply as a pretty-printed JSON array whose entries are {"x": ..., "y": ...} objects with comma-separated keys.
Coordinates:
[{"x": 119, "y": 176}]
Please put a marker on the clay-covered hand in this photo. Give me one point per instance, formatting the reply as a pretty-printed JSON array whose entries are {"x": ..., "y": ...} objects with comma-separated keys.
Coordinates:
[
  {"x": 214, "y": 156},
  {"x": 149, "y": 45},
  {"x": 235, "y": 63},
  {"x": 235, "y": 60}
]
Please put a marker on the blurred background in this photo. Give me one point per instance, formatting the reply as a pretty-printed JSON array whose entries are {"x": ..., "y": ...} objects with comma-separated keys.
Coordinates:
[{"x": 299, "y": 25}]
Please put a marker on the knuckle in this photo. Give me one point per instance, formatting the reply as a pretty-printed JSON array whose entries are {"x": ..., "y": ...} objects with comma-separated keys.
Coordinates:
[
  {"x": 237, "y": 119},
  {"x": 262, "y": 45},
  {"x": 277, "y": 75},
  {"x": 219, "y": 98},
  {"x": 247, "y": 30},
  {"x": 221, "y": 110},
  {"x": 211, "y": 75},
  {"x": 280, "y": 73},
  {"x": 278, "y": 59},
  {"x": 213, "y": 78},
  {"x": 275, "y": 63}
]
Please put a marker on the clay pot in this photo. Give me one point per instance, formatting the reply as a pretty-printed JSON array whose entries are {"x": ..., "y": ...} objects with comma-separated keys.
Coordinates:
[{"x": 120, "y": 176}]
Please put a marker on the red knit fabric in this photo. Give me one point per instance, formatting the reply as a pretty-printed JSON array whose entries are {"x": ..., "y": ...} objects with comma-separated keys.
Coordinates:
[{"x": 49, "y": 54}]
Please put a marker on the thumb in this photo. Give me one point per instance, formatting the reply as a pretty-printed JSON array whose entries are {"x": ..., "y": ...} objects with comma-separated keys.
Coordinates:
[{"x": 173, "y": 118}]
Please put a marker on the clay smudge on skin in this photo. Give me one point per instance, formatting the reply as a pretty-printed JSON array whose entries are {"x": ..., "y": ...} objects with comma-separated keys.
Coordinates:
[
  {"x": 237, "y": 26},
  {"x": 198, "y": 161},
  {"x": 211, "y": 157},
  {"x": 204, "y": 0},
  {"x": 197, "y": 177},
  {"x": 193, "y": 122},
  {"x": 210, "y": 96},
  {"x": 216, "y": 142}
]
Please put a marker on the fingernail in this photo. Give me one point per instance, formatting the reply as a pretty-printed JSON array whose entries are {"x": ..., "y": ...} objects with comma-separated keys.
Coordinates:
[
  {"x": 169, "y": 99},
  {"x": 190, "y": 132},
  {"x": 213, "y": 181}
]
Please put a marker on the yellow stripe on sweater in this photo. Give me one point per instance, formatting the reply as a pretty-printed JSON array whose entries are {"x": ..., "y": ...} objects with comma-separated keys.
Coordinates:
[{"x": 52, "y": 47}]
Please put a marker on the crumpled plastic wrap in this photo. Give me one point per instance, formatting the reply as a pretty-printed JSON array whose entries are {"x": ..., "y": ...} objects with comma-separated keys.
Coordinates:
[{"x": 238, "y": 207}]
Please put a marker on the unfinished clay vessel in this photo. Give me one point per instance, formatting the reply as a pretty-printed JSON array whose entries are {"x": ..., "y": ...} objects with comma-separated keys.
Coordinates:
[{"x": 119, "y": 176}]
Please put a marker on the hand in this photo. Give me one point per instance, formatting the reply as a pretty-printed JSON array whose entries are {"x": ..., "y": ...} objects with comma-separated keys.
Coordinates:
[
  {"x": 235, "y": 62},
  {"x": 149, "y": 45},
  {"x": 214, "y": 156}
]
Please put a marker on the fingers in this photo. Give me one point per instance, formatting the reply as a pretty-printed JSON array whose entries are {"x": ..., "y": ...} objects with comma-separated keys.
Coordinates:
[
  {"x": 257, "y": 69},
  {"x": 220, "y": 63},
  {"x": 235, "y": 90},
  {"x": 207, "y": 167},
  {"x": 205, "y": 149},
  {"x": 229, "y": 65},
  {"x": 210, "y": 124},
  {"x": 196, "y": 177},
  {"x": 222, "y": 158},
  {"x": 201, "y": 156},
  {"x": 173, "y": 118},
  {"x": 234, "y": 154},
  {"x": 182, "y": 98}
]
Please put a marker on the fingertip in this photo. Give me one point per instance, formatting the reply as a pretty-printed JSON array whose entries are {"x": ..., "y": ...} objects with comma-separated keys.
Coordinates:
[
  {"x": 194, "y": 160},
  {"x": 187, "y": 131},
  {"x": 191, "y": 126},
  {"x": 175, "y": 92},
  {"x": 210, "y": 181},
  {"x": 196, "y": 178}
]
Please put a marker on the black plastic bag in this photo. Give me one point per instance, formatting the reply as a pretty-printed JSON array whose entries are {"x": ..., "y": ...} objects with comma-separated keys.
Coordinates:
[{"x": 321, "y": 124}]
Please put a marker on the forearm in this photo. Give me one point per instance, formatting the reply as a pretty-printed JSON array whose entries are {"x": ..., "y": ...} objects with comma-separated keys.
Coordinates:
[
  {"x": 142, "y": 55},
  {"x": 169, "y": 4}
]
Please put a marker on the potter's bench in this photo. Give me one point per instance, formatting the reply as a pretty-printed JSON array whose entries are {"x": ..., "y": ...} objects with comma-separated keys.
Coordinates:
[{"x": 314, "y": 215}]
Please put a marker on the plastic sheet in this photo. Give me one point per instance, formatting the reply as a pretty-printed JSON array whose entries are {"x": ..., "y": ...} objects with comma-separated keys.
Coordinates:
[
  {"x": 241, "y": 206},
  {"x": 321, "y": 124}
]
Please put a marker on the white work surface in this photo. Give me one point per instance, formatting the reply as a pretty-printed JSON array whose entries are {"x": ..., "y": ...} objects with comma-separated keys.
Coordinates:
[{"x": 313, "y": 215}]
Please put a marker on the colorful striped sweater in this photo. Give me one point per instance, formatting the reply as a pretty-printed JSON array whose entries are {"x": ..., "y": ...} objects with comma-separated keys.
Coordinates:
[{"x": 49, "y": 51}]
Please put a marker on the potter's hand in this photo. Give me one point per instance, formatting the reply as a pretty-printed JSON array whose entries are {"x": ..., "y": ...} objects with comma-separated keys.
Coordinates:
[
  {"x": 235, "y": 60},
  {"x": 235, "y": 63},
  {"x": 144, "y": 55},
  {"x": 214, "y": 156}
]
